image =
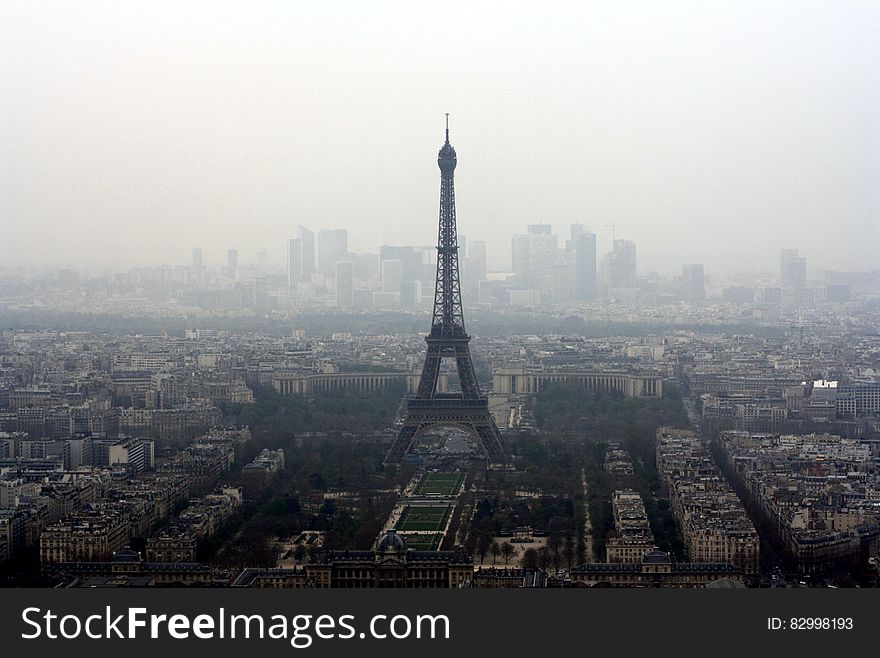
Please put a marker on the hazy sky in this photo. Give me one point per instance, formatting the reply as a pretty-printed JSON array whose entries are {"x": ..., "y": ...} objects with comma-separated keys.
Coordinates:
[{"x": 132, "y": 131}]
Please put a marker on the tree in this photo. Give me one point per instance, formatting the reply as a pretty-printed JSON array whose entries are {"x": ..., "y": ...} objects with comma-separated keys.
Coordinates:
[
  {"x": 569, "y": 550},
  {"x": 529, "y": 559},
  {"x": 495, "y": 549},
  {"x": 544, "y": 558},
  {"x": 581, "y": 551},
  {"x": 470, "y": 544},
  {"x": 483, "y": 543},
  {"x": 507, "y": 551},
  {"x": 556, "y": 556}
]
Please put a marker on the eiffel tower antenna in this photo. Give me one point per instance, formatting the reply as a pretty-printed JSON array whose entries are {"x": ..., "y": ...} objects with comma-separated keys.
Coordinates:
[{"x": 448, "y": 339}]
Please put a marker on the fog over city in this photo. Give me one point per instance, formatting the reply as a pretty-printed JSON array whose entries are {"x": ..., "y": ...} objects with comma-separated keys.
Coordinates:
[
  {"x": 719, "y": 133},
  {"x": 473, "y": 295}
]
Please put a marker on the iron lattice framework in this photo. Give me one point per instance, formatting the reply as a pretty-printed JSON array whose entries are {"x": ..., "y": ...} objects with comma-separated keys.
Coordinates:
[{"x": 448, "y": 340}]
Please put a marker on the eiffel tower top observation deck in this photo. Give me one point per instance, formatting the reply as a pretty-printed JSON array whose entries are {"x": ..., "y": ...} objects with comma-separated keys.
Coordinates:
[{"x": 446, "y": 158}]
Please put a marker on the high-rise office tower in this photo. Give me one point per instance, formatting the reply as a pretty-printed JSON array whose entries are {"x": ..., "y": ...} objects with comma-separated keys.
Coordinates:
[
  {"x": 294, "y": 262},
  {"x": 391, "y": 275},
  {"x": 344, "y": 284},
  {"x": 412, "y": 260},
  {"x": 332, "y": 247},
  {"x": 231, "y": 263},
  {"x": 366, "y": 269},
  {"x": 536, "y": 259},
  {"x": 519, "y": 256},
  {"x": 693, "y": 287},
  {"x": 583, "y": 248},
  {"x": 619, "y": 266},
  {"x": 473, "y": 271},
  {"x": 543, "y": 249},
  {"x": 410, "y": 294},
  {"x": 793, "y": 269},
  {"x": 307, "y": 249}
]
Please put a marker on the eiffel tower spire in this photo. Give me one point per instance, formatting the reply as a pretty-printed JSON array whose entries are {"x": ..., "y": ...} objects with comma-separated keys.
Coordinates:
[{"x": 448, "y": 339}]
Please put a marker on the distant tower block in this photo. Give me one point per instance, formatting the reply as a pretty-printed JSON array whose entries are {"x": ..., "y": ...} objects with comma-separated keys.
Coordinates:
[{"x": 448, "y": 339}]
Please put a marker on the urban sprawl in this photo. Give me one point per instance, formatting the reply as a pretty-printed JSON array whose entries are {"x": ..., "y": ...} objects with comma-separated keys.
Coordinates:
[{"x": 687, "y": 431}]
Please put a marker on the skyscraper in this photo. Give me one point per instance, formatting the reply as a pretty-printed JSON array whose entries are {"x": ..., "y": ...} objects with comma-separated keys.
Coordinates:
[
  {"x": 473, "y": 270},
  {"x": 519, "y": 257},
  {"x": 332, "y": 247},
  {"x": 198, "y": 261},
  {"x": 536, "y": 259},
  {"x": 793, "y": 269},
  {"x": 307, "y": 249},
  {"x": 410, "y": 294},
  {"x": 391, "y": 275},
  {"x": 344, "y": 284},
  {"x": 693, "y": 287},
  {"x": 619, "y": 266},
  {"x": 583, "y": 246},
  {"x": 294, "y": 262},
  {"x": 231, "y": 262},
  {"x": 543, "y": 249},
  {"x": 412, "y": 261}
]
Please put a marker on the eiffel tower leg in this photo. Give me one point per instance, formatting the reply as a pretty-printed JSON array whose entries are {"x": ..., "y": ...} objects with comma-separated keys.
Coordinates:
[
  {"x": 402, "y": 443},
  {"x": 477, "y": 420},
  {"x": 470, "y": 390},
  {"x": 430, "y": 372},
  {"x": 491, "y": 440}
]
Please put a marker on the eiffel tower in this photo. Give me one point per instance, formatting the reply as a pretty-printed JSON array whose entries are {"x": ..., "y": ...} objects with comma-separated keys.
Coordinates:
[{"x": 448, "y": 339}]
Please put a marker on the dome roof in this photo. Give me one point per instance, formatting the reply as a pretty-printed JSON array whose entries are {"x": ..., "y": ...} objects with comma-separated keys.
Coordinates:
[
  {"x": 656, "y": 557},
  {"x": 126, "y": 555},
  {"x": 391, "y": 542}
]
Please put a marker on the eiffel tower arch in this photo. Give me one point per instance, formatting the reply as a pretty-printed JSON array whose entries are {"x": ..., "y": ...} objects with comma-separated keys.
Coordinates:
[{"x": 448, "y": 339}]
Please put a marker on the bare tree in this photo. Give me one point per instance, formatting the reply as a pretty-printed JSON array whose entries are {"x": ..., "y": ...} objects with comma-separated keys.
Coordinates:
[{"x": 508, "y": 550}]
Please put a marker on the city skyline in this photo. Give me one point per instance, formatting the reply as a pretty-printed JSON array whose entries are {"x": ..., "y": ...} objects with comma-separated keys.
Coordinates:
[
  {"x": 710, "y": 154},
  {"x": 547, "y": 273},
  {"x": 259, "y": 261}
]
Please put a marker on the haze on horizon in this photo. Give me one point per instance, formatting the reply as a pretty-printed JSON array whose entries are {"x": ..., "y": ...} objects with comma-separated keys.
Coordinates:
[{"x": 132, "y": 132}]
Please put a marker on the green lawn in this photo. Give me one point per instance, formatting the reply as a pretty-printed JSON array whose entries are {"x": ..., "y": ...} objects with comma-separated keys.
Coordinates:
[
  {"x": 441, "y": 484},
  {"x": 424, "y": 542},
  {"x": 428, "y": 519}
]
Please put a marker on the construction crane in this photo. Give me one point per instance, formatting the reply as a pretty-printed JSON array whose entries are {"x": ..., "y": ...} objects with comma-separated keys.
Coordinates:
[{"x": 619, "y": 224}]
